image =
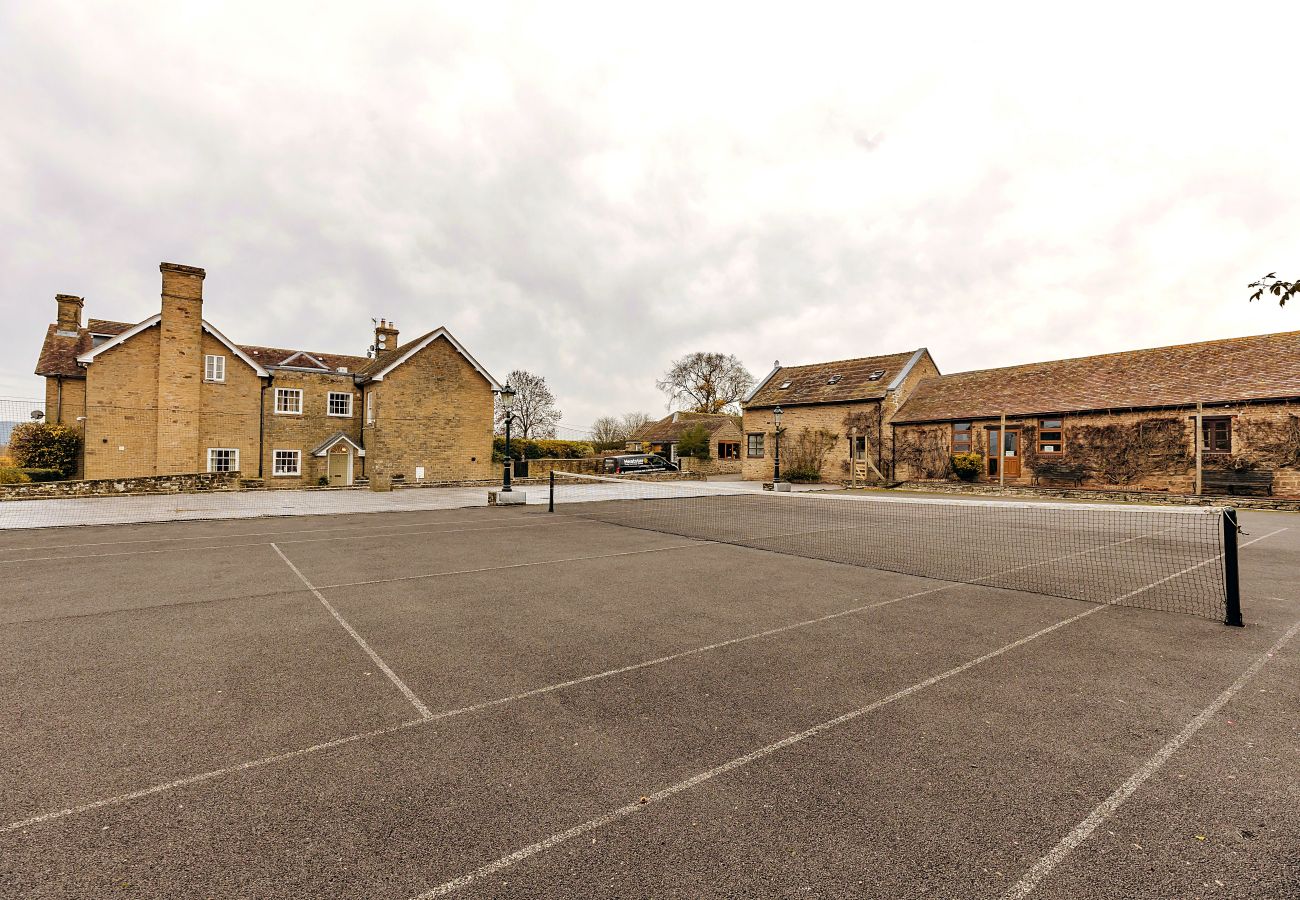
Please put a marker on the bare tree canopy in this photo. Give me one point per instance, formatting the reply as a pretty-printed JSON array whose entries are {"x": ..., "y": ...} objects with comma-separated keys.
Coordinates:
[
  {"x": 634, "y": 422},
  {"x": 535, "y": 413},
  {"x": 706, "y": 382},
  {"x": 1282, "y": 290},
  {"x": 607, "y": 430}
]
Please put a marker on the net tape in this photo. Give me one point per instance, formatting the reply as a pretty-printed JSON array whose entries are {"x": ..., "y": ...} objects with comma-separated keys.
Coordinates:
[{"x": 1166, "y": 558}]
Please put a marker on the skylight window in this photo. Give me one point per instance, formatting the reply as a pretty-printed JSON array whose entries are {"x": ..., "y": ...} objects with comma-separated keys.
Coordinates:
[
  {"x": 834, "y": 379},
  {"x": 876, "y": 375},
  {"x": 784, "y": 385}
]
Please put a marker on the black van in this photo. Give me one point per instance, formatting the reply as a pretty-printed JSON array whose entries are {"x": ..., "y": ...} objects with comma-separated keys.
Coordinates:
[{"x": 633, "y": 463}]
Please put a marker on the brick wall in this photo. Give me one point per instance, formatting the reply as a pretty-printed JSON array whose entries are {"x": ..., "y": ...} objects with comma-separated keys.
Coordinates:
[
  {"x": 73, "y": 403},
  {"x": 121, "y": 409},
  {"x": 228, "y": 409},
  {"x": 303, "y": 432},
  {"x": 179, "y": 369},
  {"x": 434, "y": 411}
]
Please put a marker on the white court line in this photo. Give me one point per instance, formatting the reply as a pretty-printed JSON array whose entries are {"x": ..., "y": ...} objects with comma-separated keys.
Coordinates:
[
  {"x": 1111, "y": 804},
  {"x": 636, "y": 806},
  {"x": 268, "y": 760},
  {"x": 392, "y": 676},
  {"x": 345, "y": 537},
  {"x": 540, "y": 562},
  {"x": 205, "y": 776},
  {"x": 243, "y": 534}
]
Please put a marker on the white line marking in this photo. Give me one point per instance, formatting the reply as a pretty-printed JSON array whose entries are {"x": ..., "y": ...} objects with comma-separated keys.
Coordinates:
[
  {"x": 1111, "y": 804},
  {"x": 622, "y": 812},
  {"x": 205, "y": 776},
  {"x": 267, "y": 760},
  {"x": 636, "y": 806},
  {"x": 244, "y": 534},
  {"x": 346, "y": 537},
  {"x": 392, "y": 676},
  {"x": 540, "y": 562}
]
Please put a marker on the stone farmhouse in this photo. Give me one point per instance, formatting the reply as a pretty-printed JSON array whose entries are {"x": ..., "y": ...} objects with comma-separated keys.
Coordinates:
[
  {"x": 663, "y": 436},
  {"x": 853, "y": 400},
  {"x": 174, "y": 395},
  {"x": 1117, "y": 420}
]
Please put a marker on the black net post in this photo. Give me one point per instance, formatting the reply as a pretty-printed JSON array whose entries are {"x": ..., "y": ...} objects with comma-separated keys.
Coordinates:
[
  {"x": 550, "y": 505},
  {"x": 1233, "y": 592}
]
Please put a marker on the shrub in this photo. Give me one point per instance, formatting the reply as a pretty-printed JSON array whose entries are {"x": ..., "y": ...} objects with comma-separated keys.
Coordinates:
[
  {"x": 10, "y": 475},
  {"x": 694, "y": 441},
  {"x": 967, "y": 465},
  {"x": 43, "y": 474},
  {"x": 531, "y": 448},
  {"x": 40, "y": 445}
]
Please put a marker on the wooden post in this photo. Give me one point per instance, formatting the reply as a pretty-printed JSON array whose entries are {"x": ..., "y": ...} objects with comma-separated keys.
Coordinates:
[
  {"x": 1199, "y": 438},
  {"x": 1002, "y": 458}
]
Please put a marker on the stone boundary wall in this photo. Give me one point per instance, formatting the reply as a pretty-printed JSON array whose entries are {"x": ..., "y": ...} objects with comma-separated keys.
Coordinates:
[
  {"x": 111, "y": 487},
  {"x": 711, "y": 466},
  {"x": 1099, "y": 495}
]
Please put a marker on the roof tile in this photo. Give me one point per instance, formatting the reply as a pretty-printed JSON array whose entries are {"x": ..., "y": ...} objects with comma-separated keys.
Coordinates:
[
  {"x": 1247, "y": 368},
  {"x": 813, "y": 383}
]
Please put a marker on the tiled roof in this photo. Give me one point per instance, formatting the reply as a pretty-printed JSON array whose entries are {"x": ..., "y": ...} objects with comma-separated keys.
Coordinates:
[
  {"x": 374, "y": 365},
  {"x": 670, "y": 428},
  {"x": 59, "y": 352},
  {"x": 1247, "y": 368},
  {"x": 813, "y": 383},
  {"x": 278, "y": 356}
]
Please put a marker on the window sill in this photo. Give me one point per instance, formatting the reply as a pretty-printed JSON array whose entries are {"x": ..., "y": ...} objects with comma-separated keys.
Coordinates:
[
  {"x": 214, "y": 381},
  {"x": 286, "y": 475},
  {"x": 281, "y": 413},
  {"x": 339, "y": 415}
]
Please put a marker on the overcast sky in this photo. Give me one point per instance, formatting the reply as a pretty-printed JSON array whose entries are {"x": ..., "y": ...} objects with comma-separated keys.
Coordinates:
[{"x": 589, "y": 192}]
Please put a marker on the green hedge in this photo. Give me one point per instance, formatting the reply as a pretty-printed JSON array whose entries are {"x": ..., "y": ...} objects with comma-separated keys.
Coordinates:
[
  {"x": 13, "y": 476},
  {"x": 533, "y": 448},
  {"x": 40, "y": 446},
  {"x": 43, "y": 474}
]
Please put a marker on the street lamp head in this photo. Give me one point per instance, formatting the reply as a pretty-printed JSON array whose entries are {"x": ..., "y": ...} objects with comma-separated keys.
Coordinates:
[
  {"x": 507, "y": 397},
  {"x": 776, "y": 416}
]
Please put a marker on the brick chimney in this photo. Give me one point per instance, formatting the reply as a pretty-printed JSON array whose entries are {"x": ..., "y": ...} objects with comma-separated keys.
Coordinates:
[
  {"x": 180, "y": 369},
  {"x": 69, "y": 320},
  {"x": 385, "y": 339}
]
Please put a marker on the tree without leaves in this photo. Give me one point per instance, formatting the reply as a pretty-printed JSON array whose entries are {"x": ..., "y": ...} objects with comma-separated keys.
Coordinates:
[
  {"x": 634, "y": 422},
  {"x": 706, "y": 382},
  {"x": 1269, "y": 284},
  {"x": 608, "y": 430},
  {"x": 534, "y": 411}
]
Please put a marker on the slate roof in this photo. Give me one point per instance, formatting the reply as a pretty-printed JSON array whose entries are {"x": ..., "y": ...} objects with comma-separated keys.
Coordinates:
[
  {"x": 1260, "y": 367},
  {"x": 670, "y": 428},
  {"x": 811, "y": 384}
]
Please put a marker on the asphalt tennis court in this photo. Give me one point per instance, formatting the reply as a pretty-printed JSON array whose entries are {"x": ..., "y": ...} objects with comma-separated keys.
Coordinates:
[{"x": 512, "y": 703}]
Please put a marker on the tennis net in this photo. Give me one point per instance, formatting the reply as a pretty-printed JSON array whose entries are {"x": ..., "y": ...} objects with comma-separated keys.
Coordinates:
[{"x": 1178, "y": 559}]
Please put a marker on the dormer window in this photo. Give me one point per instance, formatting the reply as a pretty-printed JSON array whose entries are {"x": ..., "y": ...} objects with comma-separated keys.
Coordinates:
[
  {"x": 834, "y": 379},
  {"x": 876, "y": 375},
  {"x": 785, "y": 385}
]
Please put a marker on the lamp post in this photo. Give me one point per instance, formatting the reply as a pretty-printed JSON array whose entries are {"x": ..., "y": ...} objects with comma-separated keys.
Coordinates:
[
  {"x": 507, "y": 401},
  {"x": 776, "y": 459}
]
